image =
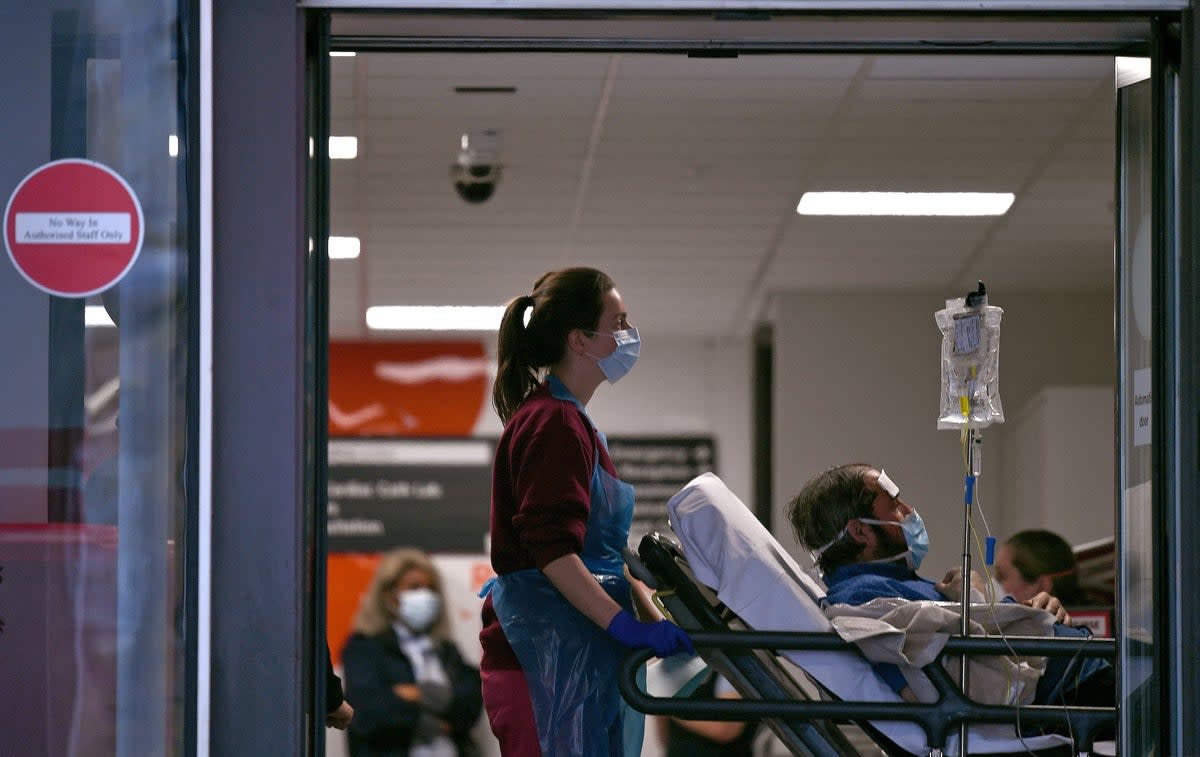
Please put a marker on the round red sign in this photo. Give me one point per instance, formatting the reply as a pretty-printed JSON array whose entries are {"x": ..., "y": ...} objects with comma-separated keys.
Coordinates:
[{"x": 73, "y": 227}]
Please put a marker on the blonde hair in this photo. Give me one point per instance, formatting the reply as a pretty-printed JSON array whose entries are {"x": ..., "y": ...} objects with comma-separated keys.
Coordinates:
[{"x": 373, "y": 615}]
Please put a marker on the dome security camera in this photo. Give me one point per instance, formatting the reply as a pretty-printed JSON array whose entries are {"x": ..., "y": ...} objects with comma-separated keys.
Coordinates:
[
  {"x": 478, "y": 169},
  {"x": 475, "y": 183}
]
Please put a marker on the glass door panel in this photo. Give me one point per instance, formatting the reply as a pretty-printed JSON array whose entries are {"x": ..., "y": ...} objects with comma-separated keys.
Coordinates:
[{"x": 1137, "y": 527}]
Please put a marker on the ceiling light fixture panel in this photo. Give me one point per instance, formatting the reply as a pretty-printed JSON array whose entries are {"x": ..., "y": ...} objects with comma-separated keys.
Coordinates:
[
  {"x": 343, "y": 148},
  {"x": 344, "y": 248},
  {"x": 435, "y": 317},
  {"x": 905, "y": 203}
]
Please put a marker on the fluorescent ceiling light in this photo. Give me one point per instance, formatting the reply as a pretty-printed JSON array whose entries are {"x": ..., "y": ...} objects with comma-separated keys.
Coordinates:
[
  {"x": 1132, "y": 70},
  {"x": 96, "y": 315},
  {"x": 905, "y": 203},
  {"x": 344, "y": 248},
  {"x": 173, "y": 146},
  {"x": 343, "y": 148},
  {"x": 342, "y": 54},
  {"x": 435, "y": 317}
]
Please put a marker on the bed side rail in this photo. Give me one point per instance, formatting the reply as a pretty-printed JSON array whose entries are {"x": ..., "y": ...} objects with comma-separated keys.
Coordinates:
[{"x": 938, "y": 719}]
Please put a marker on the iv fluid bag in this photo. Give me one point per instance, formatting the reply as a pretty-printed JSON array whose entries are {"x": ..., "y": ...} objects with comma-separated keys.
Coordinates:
[{"x": 970, "y": 364}]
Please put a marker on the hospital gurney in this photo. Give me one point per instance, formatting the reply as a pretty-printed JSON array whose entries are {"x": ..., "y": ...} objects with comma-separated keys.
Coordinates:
[{"x": 743, "y": 600}]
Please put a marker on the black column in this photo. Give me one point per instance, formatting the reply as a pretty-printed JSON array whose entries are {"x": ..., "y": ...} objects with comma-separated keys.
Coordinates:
[{"x": 262, "y": 690}]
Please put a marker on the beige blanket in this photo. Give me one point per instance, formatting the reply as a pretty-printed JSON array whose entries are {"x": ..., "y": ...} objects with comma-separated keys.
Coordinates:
[{"x": 910, "y": 634}]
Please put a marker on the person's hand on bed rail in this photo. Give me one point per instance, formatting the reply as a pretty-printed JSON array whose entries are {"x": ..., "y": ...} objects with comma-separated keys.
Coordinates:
[
  {"x": 1051, "y": 604},
  {"x": 951, "y": 584},
  {"x": 663, "y": 636}
]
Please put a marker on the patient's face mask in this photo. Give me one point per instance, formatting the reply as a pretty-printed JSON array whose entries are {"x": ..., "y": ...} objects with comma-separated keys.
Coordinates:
[
  {"x": 616, "y": 365},
  {"x": 916, "y": 538}
]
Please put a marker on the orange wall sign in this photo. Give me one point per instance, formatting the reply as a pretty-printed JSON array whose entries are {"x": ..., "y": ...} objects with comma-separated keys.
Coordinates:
[
  {"x": 347, "y": 577},
  {"x": 407, "y": 388}
]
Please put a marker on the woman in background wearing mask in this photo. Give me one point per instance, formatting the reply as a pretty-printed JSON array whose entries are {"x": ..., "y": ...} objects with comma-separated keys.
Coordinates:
[
  {"x": 411, "y": 691},
  {"x": 558, "y": 617}
]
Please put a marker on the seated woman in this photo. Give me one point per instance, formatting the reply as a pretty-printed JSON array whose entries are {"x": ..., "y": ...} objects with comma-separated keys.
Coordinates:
[
  {"x": 1036, "y": 561},
  {"x": 411, "y": 691}
]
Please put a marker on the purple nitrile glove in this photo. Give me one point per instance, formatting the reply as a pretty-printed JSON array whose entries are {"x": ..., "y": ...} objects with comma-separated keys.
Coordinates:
[{"x": 664, "y": 637}]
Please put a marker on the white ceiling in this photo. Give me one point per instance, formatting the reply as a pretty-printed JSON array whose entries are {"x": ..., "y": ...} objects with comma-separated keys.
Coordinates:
[{"x": 680, "y": 177}]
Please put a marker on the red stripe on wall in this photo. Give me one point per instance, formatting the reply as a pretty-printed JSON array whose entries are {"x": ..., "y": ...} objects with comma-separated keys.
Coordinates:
[
  {"x": 24, "y": 447},
  {"x": 44, "y": 533}
]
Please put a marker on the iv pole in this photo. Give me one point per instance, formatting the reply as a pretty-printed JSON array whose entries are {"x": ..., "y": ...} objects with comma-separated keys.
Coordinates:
[
  {"x": 973, "y": 439},
  {"x": 966, "y": 343}
]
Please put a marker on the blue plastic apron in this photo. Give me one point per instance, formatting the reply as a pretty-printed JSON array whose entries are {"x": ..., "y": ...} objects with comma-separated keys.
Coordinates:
[{"x": 569, "y": 662}]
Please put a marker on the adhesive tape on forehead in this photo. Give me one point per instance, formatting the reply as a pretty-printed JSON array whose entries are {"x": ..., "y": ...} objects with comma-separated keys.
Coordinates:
[{"x": 886, "y": 484}]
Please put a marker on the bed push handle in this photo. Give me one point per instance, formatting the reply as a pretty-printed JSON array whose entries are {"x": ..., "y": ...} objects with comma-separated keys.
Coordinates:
[{"x": 638, "y": 569}]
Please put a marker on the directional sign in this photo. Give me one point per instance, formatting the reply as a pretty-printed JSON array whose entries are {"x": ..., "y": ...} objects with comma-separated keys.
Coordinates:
[
  {"x": 658, "y": 467},
  {"x": 433, "y": 494},
  {"x": 73, "y": 227}
]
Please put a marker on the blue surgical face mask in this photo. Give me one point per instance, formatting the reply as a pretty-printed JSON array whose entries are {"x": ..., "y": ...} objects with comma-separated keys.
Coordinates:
[
  {"x": 418, "y": 608},
  {"x": 616, "y": 365},
  {"x": 916, "y": 538}
]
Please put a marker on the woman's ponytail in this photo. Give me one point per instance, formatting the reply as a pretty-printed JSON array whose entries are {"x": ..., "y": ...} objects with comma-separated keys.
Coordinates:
[
  {"x": 562, "y": 300},
  {"x": 515, "y": 377}
]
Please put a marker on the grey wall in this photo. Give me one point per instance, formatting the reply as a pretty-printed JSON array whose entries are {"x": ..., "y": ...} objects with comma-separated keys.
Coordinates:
[
  {"x": 1059, "y": 465},
  {"x": 1055, "y": 341}
]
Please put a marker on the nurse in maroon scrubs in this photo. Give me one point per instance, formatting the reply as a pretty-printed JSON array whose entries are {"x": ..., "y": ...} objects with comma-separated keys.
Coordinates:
[{"x": 559, "y": 615}]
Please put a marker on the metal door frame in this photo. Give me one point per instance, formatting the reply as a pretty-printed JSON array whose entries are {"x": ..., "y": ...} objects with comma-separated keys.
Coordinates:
[{"x": 269, "y": 382}]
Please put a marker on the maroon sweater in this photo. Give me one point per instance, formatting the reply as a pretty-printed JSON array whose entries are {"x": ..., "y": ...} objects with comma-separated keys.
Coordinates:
[{"x": 541, "y": 493}]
